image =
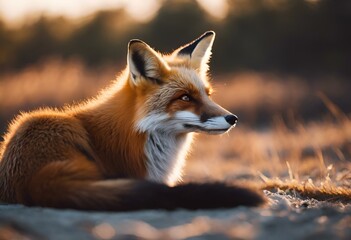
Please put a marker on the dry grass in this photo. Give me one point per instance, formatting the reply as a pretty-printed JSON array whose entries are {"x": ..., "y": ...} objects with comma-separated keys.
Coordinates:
[
  {"x": 313, "y": 158},
  {"x": 54, "y": 82},
  {"x": 327, "y": 191},
  {"x": 314, "y": 162}
]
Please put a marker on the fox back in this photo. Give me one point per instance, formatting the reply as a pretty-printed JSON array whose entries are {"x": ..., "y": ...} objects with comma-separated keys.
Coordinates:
[{"x": 126, "y": 147}]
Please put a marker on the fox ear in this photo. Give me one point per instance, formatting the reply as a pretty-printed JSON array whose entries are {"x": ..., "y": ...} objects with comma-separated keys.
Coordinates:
[
  {"x": 145, "y": 64},
  {"x": 198, "y": 51}
]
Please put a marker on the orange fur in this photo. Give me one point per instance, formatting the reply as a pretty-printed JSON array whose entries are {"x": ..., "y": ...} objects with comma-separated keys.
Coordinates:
[
  {"x": 75, "y": 157},
  {"x": 110, "y": 130}
]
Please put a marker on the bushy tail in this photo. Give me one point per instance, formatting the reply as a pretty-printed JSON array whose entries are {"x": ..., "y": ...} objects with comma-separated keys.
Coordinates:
[
  {"x": 129, "y": 195},
  {"x": 64, "y": 185}
]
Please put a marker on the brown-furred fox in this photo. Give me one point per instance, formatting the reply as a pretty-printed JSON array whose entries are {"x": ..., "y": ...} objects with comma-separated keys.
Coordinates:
[{"x": 125, "y": 149}]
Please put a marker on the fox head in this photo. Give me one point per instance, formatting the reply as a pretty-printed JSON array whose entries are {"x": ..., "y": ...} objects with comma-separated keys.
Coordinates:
[{"x": 173, "y": 91}]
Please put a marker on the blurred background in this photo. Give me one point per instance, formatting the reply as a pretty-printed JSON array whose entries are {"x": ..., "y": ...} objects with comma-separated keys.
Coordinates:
[
  {"x": 283, "y": 53},
  {"x": 276, "y": 63}
]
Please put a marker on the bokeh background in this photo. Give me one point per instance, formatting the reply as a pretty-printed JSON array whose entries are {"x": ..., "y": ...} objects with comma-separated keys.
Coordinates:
[{"x": 283, "y": 66}]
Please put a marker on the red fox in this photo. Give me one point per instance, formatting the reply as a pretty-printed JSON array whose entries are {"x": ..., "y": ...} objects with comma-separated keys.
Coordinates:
[{"x": 124, "y": 149}]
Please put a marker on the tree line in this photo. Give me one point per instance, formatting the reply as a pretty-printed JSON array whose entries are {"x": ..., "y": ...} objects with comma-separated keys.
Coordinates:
[{"x": 295, "y": 36}]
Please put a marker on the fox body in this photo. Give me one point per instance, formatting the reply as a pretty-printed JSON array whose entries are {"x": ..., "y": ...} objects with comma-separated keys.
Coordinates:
[{"x": 124, "y": 149}]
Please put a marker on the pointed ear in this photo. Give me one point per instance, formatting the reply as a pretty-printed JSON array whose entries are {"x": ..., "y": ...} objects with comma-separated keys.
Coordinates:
[
  {"x": 198, "y": 51},
  {"x": 144, "y": 63}
]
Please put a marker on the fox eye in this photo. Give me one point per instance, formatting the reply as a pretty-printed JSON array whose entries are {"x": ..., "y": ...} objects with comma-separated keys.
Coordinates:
[{"x": 185, "y": 98}]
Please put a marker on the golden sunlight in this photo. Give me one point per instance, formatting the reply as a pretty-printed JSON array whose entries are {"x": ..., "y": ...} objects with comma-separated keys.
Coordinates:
[
  {"x": 142, "y": 10},
  {"x": 17, "y": 11},
  {"x": 217, "y": 9}
]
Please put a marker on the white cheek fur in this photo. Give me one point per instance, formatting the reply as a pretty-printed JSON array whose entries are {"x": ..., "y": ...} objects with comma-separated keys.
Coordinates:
[
  {"x": 189, "y": 118},
  {"x": 151, "y": 122},
  {"x": 186, "y": 116},
  {"x": 217, "y": 123},
  {"x": 177, "y": 123}
]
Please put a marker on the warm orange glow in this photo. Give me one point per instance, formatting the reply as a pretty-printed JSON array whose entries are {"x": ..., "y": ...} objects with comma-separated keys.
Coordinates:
[
  {"x": 218, "y": 9},
  {"x": 17, "y": 11},
  {"x": 142, "y": 10}
]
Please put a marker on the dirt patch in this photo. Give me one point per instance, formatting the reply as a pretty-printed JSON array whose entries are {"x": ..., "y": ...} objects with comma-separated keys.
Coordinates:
[{"x": 286, "y": 217}]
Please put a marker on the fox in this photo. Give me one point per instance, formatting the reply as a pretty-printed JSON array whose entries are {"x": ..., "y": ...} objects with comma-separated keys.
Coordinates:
[{"x": 124, "y": 149}]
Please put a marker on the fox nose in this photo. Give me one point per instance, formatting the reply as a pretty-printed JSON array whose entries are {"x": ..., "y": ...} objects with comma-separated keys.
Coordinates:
[{"x": 231, "y": 119}]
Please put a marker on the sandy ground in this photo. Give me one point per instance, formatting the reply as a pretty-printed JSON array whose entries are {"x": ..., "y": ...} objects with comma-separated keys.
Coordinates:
[{"x": 286, "y": 217}]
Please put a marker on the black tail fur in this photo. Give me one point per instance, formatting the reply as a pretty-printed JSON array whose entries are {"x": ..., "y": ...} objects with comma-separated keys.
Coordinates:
[{"x": 150, "y": 195}]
